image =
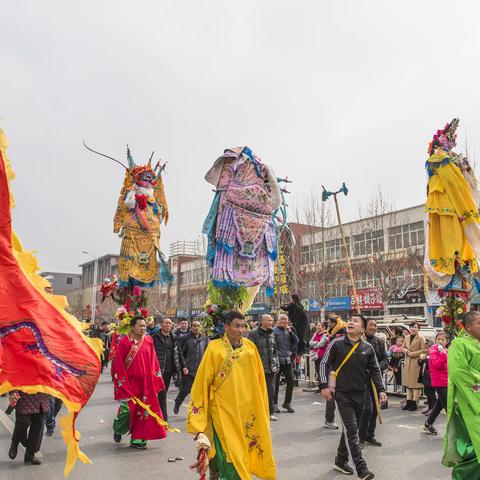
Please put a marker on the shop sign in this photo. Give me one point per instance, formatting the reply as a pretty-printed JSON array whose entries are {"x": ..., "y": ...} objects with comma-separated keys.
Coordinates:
[
  {"x": 258, "y": 309},
  {"x": 368, "y": 299},
  {"x": 338, "y": 303},
  {"x": 409, "y": 297}
]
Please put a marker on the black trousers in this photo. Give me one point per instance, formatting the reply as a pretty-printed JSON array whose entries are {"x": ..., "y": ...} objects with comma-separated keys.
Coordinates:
[
  {"x": 55, "y": 407},
  {"x": 270, "y": 379},
  {"x": 185, "y": 388},
  {"x": 440, "y": 404},
  {"x": 368, "y": 423},
  {"x": 287, "y": 370},
  {"x": 350, "y": 407},
  {"x": 431, "y": 397},
  {"x": 162, "y": 396},
  {"x": 106, "y": 353},
  {"x": 29, "y": 431},
  {"x": 330, "y": 405}
]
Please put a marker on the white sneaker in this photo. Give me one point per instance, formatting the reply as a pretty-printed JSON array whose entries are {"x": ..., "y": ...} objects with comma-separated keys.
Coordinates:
[
  {"x": 331, "y": 425},
  {"x": 273, "y": 418}
]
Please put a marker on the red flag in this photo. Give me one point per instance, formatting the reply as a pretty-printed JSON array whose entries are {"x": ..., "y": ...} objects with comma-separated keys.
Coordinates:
[{"x": 44, "y": 348}]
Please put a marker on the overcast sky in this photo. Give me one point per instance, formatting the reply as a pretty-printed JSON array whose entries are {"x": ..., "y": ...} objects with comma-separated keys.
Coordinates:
[{"x": 323, "y": 91}]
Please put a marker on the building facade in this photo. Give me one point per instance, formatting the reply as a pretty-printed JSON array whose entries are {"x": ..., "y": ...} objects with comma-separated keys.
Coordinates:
[
  {"x": 387, "y": 261},
  {"x": 63, "y": 282}
]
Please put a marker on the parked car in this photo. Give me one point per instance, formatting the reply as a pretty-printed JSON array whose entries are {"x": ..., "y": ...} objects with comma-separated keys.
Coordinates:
[{"x": 426, "y": 330}]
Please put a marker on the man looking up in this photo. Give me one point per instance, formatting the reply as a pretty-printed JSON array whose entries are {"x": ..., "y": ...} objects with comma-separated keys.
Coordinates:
[
  {"x": 286, "y": 342},
  {"x": 352, "y": 363},
  {"x": 228, "y": 412},
  {"x": 368, "y": 422},
  {"x": 264, "y": 339}
]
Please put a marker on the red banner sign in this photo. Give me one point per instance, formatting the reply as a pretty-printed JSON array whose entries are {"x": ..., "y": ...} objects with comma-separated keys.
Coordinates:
[{"x": 369, "y": 298}]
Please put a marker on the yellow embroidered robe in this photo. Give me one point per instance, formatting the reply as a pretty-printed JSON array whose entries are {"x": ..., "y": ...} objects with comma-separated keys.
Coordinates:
[
  {"x": 229, "y": 394},
  {"x": 451, "y": 208}
]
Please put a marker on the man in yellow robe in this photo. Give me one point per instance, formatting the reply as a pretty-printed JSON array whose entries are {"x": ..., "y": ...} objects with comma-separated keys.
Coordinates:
[{"x": 229, "y": 405}]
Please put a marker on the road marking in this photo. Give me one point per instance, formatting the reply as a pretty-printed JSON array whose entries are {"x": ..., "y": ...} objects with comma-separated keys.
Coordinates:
[{"x": 8, "y": 424}]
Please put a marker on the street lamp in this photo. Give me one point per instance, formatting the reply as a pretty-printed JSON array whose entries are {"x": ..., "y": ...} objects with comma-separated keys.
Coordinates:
[{"x": 94, "y": 292}]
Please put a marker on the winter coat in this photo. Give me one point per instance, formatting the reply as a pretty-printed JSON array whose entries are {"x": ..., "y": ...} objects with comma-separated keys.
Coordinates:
[
  {"x": 411, "y": 369},
  {"x": 298, "y": 317},
  {"x": 264, "y": 340},
  {"x": 287, "y": 344},
  {"x": 380, "y": 351},
  {"x": 319, "y": 344},
  {"x": 31, "y": 404},
  {"x": 438, "y": 367},
  {"x": 191, "y": 350},
  {"x": 159, "y": 342}
]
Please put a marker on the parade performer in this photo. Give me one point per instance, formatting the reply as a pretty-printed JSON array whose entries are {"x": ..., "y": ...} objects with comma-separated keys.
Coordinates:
[
  {"x": 453, "y": 233},
  {"x": 462, "y": 438},
  {"x": 242, "y": 241},
  {"x": 137, "y": 381},
  {"x": 229, "y": 412},
  {"x": 44, "y": 348}
]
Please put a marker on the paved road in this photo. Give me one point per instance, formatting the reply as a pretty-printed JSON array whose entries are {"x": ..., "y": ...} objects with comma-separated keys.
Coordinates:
[{"x": 303, "y": 449}]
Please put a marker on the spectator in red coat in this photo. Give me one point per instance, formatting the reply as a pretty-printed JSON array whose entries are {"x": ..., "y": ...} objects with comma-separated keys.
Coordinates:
[{"x": 439, "y": 379}]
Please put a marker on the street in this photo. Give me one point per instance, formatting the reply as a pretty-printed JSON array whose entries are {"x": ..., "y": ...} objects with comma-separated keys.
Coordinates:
[{"x": 304, "y": 450}]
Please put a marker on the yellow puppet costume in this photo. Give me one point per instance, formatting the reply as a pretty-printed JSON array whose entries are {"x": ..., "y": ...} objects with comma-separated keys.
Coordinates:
[
  {"x": 142, "y": 207},
  {"x": 453, "y": 231},
  {"x": 229, "y": 404}
]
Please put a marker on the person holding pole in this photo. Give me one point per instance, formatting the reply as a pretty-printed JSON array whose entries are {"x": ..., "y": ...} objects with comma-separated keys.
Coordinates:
[{"x": 353, "y": 365}]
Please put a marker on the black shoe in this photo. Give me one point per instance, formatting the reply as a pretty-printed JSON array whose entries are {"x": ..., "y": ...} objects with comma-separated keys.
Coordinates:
[
  {"x": 117, "y": 437},
  {"x": 374, "y": 442},
  {"x": 366, "y": 476},
  {"x": 32, "y": 459},
  {"x": 413, "y": 406},
  {"x": 276, "y": 409},
  {"x": 288, "y": 408},
  {"x": 429, "y": 429},
  {"x": 139, "y": 446},
  {"x": 384, "y": 406},
  {"x": 344, "y": 468},
  {"x": 407, "y": 405},
  {"x": 12, "y": 453},
  {"x": 176, "y": 408}
]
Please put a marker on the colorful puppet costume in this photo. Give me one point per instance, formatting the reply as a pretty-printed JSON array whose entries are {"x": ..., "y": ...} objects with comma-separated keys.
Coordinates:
[
  {"x": 462, "y": 438},
  {"x": 453, "y": 233},
  {"x": 142, "y": 207},
  {"x": 229, "y": 405},
  {"x": 137, "y": 376},
  {"x": 242, "y": 241},
  {"x": 43, "y": 347}
]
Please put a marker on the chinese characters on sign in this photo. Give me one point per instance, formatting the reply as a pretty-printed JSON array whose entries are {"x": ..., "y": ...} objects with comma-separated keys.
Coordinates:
[{"x": 369, "y": 298}]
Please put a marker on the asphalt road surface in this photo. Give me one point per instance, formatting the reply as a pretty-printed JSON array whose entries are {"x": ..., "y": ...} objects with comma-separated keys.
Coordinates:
[{"x": 303, "y": 449}]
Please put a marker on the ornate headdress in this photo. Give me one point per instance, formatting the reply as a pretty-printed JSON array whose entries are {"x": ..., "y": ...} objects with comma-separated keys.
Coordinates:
[
  {"x": 448, "y": 131},
  {"x": 143, "y": 172}
]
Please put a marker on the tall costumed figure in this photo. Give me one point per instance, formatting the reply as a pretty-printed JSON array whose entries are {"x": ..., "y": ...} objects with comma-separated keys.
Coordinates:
[
  {"x": 141, "y": 209},
  {"x": 229, "y": 410},
  {"x": 451, "y": 261}
]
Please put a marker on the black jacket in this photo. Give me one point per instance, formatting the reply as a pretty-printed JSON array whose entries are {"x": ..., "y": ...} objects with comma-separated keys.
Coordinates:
[
  {"x": 287, "y": 344},
  {"x": 380, "y": 351},
  {"x": 298, "y": 316},
  {"x": 191, "y": 350},
  {"x": 356, "y": 373},
  {"x": 264, "y": 340},
  {"x": 160, "y": 342}
]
